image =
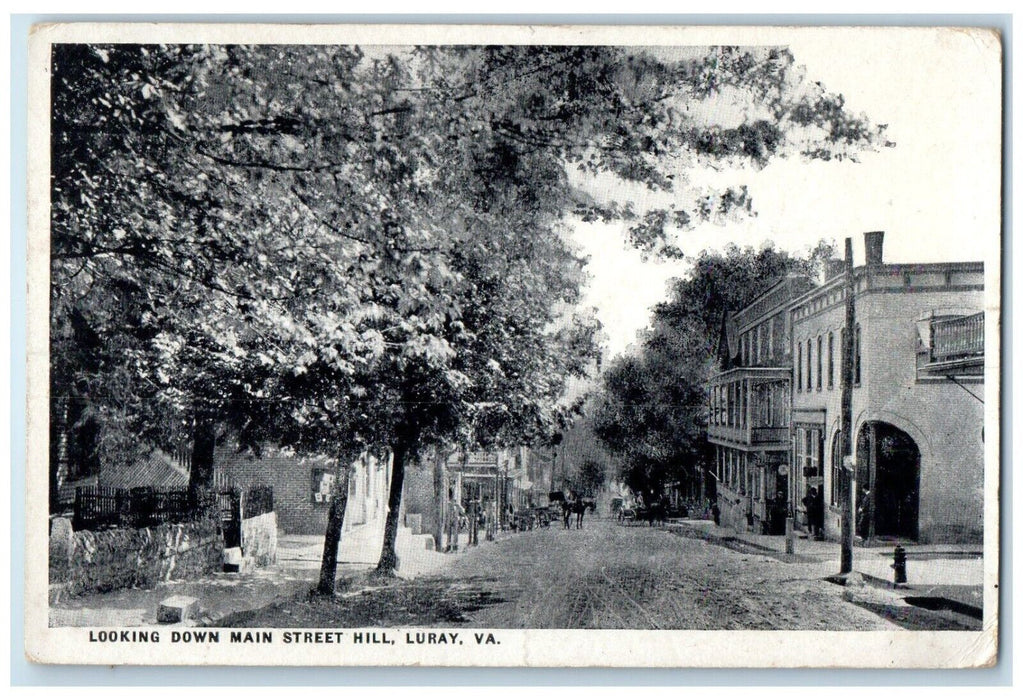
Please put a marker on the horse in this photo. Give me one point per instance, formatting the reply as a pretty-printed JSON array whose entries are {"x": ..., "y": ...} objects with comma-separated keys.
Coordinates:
[
  {"x": 566, "y": 512},
  {"x": 579, "y": 508},
  {"x": 654, "y": 513}
]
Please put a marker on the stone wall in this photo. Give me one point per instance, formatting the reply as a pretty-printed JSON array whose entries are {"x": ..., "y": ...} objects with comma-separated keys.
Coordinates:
[
  {"x": 259, "y": 540},
  {"x": 87, "y": 562}
]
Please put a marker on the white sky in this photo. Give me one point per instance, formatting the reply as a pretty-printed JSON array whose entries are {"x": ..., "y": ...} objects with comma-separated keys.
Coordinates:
[{"x": 936, "y": 194}]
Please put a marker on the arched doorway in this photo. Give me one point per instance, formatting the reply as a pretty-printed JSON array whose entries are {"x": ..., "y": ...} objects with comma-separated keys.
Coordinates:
[{"x": 889, "y": 492}]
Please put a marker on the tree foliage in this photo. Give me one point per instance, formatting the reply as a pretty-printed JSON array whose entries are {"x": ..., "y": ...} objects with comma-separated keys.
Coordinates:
[{"x": 592, "y": 476}]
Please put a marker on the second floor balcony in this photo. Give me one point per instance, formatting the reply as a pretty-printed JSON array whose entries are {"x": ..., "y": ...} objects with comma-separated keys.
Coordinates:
[
  {"x": 952, "y": 345},
  {"x": 749, "y": 407}
]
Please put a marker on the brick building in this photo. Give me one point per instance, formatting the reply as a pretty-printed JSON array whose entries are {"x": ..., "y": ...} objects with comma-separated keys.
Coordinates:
[{"x": 301, "y": 487}]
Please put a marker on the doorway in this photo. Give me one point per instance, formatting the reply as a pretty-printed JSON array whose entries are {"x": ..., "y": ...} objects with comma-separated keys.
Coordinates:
[{"x": 892, "y": 505}]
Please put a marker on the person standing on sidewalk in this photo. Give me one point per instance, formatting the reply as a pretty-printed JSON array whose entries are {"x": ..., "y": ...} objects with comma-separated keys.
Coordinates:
[
  {"x": 810, "y": 504},
  {"x": 818, "y": 512},
  {"x": 455, "y": 513}
]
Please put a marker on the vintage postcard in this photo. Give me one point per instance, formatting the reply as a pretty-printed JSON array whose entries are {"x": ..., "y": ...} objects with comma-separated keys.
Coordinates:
[{"x": 514, "y": 346}]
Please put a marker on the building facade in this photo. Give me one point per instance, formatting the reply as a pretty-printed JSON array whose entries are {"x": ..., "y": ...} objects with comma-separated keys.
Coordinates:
[
  {"x": 500, "y": 482},
  {"x": 302, "y": 487},
  {"x": 917, "y": 402},
  {"x": 749, "y": 412},
  {"x": 917, "y": 399}
]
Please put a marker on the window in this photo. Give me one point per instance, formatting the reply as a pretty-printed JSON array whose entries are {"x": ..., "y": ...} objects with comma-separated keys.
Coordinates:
[
  {"x": 831, "y": 360},
  {"x": 820, "y": 351},
  {"x": 799, "y": 368},
  {"x": 808, "y": 453},
  {"x": 809, "y": 364},
  {"x": 770, "y": 338},
  {"x": 322, "y": 486}
]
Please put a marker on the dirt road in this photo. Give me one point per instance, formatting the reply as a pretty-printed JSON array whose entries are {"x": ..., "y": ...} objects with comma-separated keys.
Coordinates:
[{"x": 603, "y": 576}]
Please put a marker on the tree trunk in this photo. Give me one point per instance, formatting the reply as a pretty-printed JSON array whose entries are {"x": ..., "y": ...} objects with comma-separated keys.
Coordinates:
[
  {"x": 335, "y": 522},
  {"x": 440, "y": 493},
  {"x": 472, "y": 512},
  {"x": 388, "y": 555},
  {"x": 200, "y": 475}
]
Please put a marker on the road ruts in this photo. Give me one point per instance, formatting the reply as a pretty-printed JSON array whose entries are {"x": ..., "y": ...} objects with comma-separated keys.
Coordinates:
[{"x": 610, "y": 576}]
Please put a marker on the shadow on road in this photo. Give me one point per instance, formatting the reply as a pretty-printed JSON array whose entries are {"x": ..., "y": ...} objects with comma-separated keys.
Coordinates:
[{"x": 422, "y": 602}]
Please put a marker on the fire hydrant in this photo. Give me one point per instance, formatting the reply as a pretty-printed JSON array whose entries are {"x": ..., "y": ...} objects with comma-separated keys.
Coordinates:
[{"x": 899, "y": 564}]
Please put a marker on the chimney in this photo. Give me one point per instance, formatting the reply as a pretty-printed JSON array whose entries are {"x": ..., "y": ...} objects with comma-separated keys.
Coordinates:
[{"x": 874, "y": 244}]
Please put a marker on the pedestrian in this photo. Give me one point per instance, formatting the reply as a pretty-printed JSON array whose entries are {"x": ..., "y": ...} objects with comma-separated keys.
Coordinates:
[
  {"x": 475, "y": 512},
  {"x": 864, "y": 513},
  {"x": 715, "y": 512},
  {"x": 455, "y": 517},
  {"x": 819, "y": 513},
  {"x": 779, "y": 511},
  {"x": 810, "y": 504}
]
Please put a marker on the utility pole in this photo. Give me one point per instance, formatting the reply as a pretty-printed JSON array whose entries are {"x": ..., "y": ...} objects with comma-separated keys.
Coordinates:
[{"x": 848, "y": 465}]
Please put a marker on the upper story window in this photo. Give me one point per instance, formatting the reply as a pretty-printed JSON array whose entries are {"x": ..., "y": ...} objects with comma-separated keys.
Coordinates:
[
  {"x": 809, "y": 364},
  {"x": 831, "y": 360},
  {"x": 799, "y": 366},
  {"x": 820, "y": 352}
]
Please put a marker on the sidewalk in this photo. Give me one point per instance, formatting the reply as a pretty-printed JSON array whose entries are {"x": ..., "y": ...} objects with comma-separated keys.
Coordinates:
[
  {"x": 295, "y": 573},
  {"x": 218, "y": 595},
  {"x": 952, "y": 572}
]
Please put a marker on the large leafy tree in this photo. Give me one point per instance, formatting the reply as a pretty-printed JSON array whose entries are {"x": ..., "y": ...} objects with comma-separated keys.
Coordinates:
[{"x": 322, "y": 247}]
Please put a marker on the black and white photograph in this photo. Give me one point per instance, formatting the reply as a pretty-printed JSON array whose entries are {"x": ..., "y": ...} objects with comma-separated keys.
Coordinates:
[{"x": 514, "y": 346}]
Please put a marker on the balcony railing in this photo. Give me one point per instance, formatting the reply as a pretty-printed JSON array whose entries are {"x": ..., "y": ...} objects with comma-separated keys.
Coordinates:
[
  {"x": 748, "y": 436},
  {"x": 957, "y": 338},
  {"x": 760, "y": 436}
]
